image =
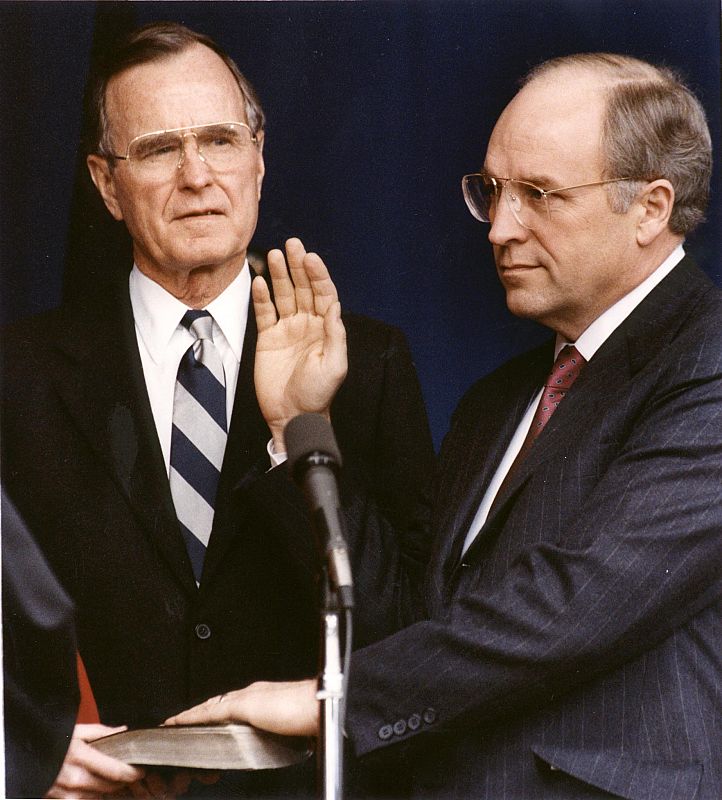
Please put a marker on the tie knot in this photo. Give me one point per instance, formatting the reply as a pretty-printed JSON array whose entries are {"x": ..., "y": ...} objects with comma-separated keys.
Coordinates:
[
  {"x": 566, "y": 368},
  {"x": 199, "y": 323}
]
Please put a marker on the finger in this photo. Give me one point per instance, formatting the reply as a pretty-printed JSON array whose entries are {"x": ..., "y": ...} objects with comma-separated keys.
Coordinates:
[
  {"x": 199, "y": 714},
  {"x": 190, "y": 715},
  {"x": 323, "y": 288},
  {"x": 284, "y": 293},
  {"x": 263, "y": 307},
  {"x": 56, "y": 791},
  {"x": 215, "y": 710},
  {"x": 295, "y": 253},
  {"x": 106, "y": 768},
  {"x": 75, "y": 779},
  {"x": 87, "y": 769},
  {"x": 334, "y": 344},
  {"x": 88, "y": 732}
]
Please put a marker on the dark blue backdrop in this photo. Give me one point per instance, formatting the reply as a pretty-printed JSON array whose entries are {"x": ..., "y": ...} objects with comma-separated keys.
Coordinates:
[{"x": 375, "y": 111}]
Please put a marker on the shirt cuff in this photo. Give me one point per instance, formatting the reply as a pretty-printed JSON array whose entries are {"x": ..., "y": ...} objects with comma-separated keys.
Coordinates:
[{"x": 276, "y": 458}]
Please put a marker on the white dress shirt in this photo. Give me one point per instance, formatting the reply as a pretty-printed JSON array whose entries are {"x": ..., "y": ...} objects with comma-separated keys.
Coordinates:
[
  {"x": 162, "y": 341},
  {"x": 587, "y": 344}
]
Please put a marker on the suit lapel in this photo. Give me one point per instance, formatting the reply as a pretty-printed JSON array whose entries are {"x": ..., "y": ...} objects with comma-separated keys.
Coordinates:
[
  {"x": 587, "y": 401},
  {"x": 484, "y": 446},
  {"x": 644, "y": 333},
  {"x": 99, "y": 376},
  {"x": 641, "y": 336}
]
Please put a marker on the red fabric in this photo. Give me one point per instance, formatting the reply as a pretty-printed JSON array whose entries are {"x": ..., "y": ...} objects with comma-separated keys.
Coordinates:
[
  {"x": 559, "y": 381},
  {"x": 88, "y": 710}
]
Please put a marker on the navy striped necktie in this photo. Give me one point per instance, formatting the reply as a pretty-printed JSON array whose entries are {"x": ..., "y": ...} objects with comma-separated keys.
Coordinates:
[{"x": 198, "y": 438}]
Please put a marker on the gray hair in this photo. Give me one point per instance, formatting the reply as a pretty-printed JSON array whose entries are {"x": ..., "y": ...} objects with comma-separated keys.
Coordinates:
[
  {"x": 654, "y": 127},
  {"x": 154, "y": 42}
]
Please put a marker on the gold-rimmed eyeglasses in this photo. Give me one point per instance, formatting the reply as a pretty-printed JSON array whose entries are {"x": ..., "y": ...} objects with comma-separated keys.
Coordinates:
[
  {"x": 528, "y": 203},
  {"x": 158, "y": 154}
]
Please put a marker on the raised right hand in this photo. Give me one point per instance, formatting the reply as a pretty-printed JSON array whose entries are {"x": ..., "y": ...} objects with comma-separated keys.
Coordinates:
[{"x": 301, "y": 350}]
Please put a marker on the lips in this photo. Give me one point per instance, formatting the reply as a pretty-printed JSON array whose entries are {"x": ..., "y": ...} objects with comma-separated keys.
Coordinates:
[{"x": 205, "y": 212}]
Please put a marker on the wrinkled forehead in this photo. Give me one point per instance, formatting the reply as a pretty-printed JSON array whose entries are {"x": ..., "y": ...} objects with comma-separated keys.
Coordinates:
[
  {"x": 192, "y": 87},
  {"x": 552, "y": 129}
]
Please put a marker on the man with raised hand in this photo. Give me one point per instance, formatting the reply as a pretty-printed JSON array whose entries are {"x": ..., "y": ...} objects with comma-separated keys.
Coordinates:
[{"x": 131, "y": 429}]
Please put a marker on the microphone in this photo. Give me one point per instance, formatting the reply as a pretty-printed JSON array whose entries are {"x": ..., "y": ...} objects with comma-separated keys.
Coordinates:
[{"x": 315, "y": 462}]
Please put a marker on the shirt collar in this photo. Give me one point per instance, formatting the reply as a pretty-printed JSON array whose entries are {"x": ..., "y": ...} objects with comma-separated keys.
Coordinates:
[
  {"x": 157, "y": 313},
  {"x": 230, "y": 310},
  {"x": 605, "y": 324}
]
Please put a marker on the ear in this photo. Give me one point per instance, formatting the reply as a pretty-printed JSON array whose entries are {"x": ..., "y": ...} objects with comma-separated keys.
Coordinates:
[
  {"x": 104, "y": 180},
  {"x": 261, "y": 164},
  {"x": 656, "y": 202}
]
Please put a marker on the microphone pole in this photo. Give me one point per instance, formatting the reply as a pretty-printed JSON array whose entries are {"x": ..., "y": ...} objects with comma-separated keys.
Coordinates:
[
  {"x": 330, "y": 693},
  {"x": 315, "y": 461}
]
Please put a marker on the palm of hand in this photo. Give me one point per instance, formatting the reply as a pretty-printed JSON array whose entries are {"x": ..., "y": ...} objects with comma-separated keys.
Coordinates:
[
  {"x": 301, "y": 349},
  {"x": 292, "y": 372}
]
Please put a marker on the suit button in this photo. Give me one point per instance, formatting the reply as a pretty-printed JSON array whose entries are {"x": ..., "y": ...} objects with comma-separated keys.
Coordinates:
[
  {"x": 414, "y": 722},
  {"x": 429, "y": 716},
  {"x": 203, "y": 631},
  {"x": 385, "y": 732},
  {"x": 400, "y": 727}
]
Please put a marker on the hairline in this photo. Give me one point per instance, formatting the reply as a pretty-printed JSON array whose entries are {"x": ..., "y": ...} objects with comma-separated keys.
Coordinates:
[
  {"x": 157, "y": 59},
  {"x": 619, "y": 79}
]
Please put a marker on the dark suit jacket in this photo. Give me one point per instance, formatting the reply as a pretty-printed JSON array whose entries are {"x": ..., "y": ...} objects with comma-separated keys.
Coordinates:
[
  {"x": 81, "y": 459},
  {"x": 40, "y": 685},
  {"x": 576, "y": 649}
]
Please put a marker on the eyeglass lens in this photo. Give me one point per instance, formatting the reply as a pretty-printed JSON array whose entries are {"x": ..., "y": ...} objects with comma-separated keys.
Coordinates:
[
  {"x": 526, "y": 202},
  {"x": 222, "y": 147}
]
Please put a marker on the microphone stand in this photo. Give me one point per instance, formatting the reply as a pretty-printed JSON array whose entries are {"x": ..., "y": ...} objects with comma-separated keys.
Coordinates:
[
  {"x": 315, "y": 460},
  {"x": 331, "y": 694}
]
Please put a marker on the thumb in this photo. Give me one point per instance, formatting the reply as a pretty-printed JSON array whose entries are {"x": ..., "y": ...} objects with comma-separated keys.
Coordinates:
[{"x": 334, "y": 344}]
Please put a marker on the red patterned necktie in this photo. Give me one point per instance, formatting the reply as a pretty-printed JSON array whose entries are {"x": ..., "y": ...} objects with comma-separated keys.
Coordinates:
[{"x": 564, "y": 372}]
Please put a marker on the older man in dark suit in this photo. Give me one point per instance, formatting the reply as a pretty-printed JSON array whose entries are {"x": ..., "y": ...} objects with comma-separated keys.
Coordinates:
[
  {"x": 131, "y": 425},
  {"x": 571, "y": 641}
]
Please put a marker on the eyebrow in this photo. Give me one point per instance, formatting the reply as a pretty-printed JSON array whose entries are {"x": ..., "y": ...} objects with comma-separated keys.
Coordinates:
[{"x": 542, "y": 181}]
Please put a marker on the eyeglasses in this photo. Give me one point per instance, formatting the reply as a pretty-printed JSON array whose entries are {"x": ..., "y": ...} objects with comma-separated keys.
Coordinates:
[
  {"x": 528, "y": 203},
  {"x": 158, "y": 155}
]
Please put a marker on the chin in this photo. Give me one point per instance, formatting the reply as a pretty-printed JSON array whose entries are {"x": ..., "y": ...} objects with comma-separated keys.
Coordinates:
[
  {"x": 193, "y": 258},
  {"x": 521, "y": 304}
]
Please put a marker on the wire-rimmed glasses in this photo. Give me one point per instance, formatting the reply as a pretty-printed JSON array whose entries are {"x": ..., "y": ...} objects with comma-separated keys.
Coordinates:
[
  {"x": 528, "y": 203},
  {"x": 159, "y": 154}
]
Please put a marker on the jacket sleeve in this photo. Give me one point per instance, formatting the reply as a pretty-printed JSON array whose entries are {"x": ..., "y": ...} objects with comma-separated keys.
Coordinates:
[
  {"x": 40, "y": 683},
  {"x": 638, "y": 559}
]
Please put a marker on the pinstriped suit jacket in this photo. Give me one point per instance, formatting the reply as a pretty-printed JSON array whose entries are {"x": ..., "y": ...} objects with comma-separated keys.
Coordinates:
[{"x": 576, "y": 651}]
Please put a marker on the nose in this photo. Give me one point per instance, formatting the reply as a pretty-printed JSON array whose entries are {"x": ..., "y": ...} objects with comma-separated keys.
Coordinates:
[
  {"x": 506, "y": 227},
  {"x": 193, "y": 170}
]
